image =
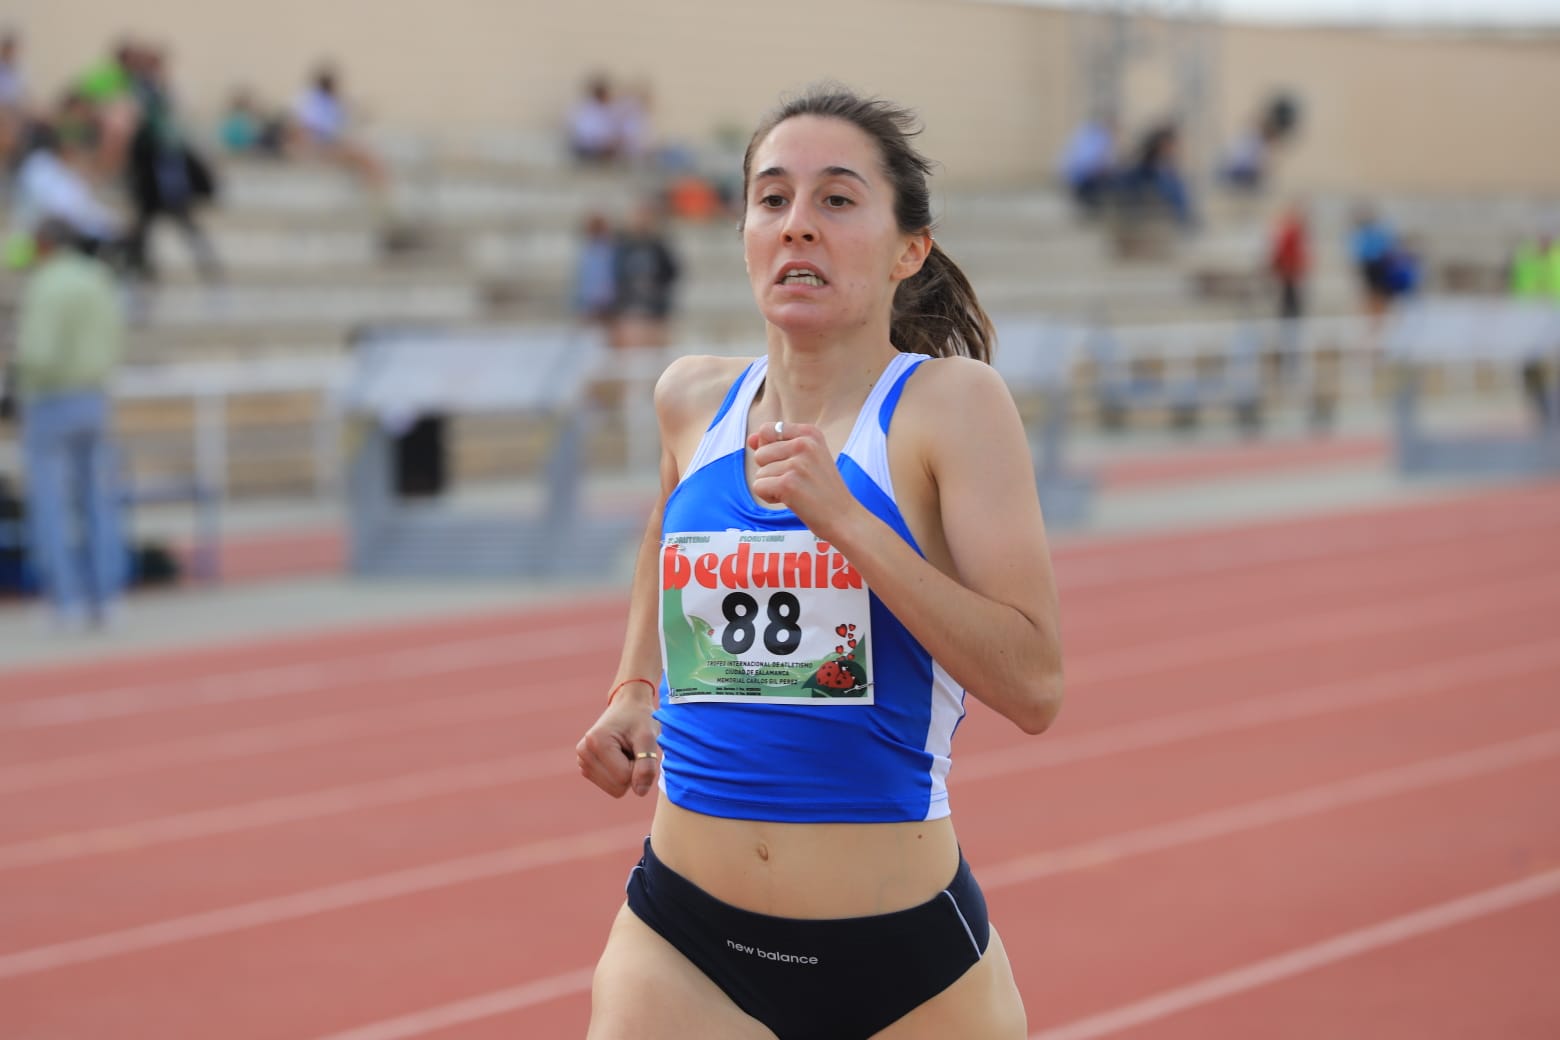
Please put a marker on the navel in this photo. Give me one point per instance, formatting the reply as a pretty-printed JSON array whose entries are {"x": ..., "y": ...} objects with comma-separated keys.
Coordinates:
[{"x": 763, "y": 852}]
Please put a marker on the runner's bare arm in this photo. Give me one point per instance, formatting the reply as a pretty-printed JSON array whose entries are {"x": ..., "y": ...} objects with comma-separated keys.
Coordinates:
[
  {"x": 606, "y": 753},
  {"x": 683, "y": 400}
]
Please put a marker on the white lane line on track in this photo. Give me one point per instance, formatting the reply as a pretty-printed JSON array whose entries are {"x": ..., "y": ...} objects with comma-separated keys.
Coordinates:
[
  {"x": 1145, "y": 659},
  {"x": 1364, "y": 691},
  {"x": 1063, "y": 749},
  {"x": 308, "y": 677},
  {"x": 417, "y": 716},
  {"x": 343, "y": 895},
  {"x": 1429, "y": 773},
  {"x": 1391, "y": 615},
  {"x": 1308, "y": 958},
  {"x": 1231, "y": 552},
  {"x": 269, "y": 812},
  {"x": 1265, "y": 546},
  {"x": 474, "y": 1009},
  {"x": 1264, "y": 812},
  {"x": 1309, "y": 801}
]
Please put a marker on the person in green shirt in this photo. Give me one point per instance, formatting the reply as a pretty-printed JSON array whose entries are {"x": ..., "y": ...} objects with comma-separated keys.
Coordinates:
[
  {"x": 1535, "y": 269},
  {"x": 1535, "y": 276},
  {"x": 70, "y": 336}
]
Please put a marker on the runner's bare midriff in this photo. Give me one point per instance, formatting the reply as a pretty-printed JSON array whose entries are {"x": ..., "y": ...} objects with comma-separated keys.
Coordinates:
[{"x": 807, "y": 870}]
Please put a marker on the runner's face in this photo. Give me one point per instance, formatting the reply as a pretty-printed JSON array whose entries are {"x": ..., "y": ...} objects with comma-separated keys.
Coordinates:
[{"x": 823, "y": 249}]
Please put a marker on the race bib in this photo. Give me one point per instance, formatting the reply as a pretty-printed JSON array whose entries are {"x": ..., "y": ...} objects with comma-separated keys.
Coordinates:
[{"x": 777, "y": 615}]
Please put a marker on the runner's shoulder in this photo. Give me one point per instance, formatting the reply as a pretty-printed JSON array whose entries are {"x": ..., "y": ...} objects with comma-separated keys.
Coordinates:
[
  {"x": 954, "y": 385},
  {"x": 692, "y": 387}
]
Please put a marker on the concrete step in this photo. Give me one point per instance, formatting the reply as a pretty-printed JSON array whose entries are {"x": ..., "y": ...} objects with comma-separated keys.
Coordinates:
[
  {"x": 273, "y": 249},
  {"x": 273, "y": 306},
  {"x": 287, "y": 190}
]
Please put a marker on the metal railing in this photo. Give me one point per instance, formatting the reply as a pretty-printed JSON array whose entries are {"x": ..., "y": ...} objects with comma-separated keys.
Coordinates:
[{"x": 1453, "y": 334}]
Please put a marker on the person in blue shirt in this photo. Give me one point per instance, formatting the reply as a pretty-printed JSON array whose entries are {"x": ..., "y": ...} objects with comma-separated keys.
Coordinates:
[
  {"x": 1373, "y": 247},
  {"x": 595, "y": 283},
  {"x": 1088, "y": 161},
  {"x": 849, "y": 538}
]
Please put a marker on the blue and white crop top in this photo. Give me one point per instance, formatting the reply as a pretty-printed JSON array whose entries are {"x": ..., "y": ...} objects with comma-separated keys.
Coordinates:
[{"x": 790, "y": 692}]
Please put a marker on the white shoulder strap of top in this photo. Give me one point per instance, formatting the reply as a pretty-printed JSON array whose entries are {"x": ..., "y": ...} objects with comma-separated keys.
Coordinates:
[
  {"x": 868, "y": 444},
  {"x": 728, "y": 433}
]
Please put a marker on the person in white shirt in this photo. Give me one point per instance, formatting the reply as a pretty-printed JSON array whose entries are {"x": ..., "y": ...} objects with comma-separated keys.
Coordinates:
[
  {"x": 48, "y": 186},
  {"x": 321, "y": 127},
  {"x": 594, "y": 129}
]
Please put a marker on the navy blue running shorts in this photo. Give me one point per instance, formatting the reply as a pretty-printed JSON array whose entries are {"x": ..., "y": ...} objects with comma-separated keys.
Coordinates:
[{"x": 834, "y": 979}]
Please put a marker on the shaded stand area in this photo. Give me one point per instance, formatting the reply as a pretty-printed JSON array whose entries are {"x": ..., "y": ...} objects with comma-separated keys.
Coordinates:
[
  {"x": 402, "y": 376},
  {"x": 1036, "y": 358},
  {"x": 1520, "y": 339}
]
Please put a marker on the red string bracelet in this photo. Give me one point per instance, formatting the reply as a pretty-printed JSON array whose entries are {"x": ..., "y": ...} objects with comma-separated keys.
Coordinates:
[{"x": 625, "y": 682}]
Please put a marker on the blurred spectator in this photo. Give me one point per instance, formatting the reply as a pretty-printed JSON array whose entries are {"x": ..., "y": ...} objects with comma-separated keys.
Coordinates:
[
  {"x": 645, "y": 272},
  {"x": 69, "y": 343},
  {"x": 1248, "y": 165},
  {"x": 635, "y": 130},
  {"x": 1155, "y": 176},
  {"x": 1405, "y": 269},
  {"x": 1535, "y": 276},
  {"x": 1373, "y": 247},
  {"x": 48, "y": 187},
  {"x": 246, "y": 130},
  {"x": 692, "y": 196},
  {"x": 108, "y": 86},
  {"x": 595, "y": 285},
  {"x": 13, "y": 99},
  {"x": 1535, "y": 269},
  {"x": 594, "y": 131},
  {"x": 1289, "y": 260},
  {"x": 1245, "y": 165},
  {"x": 13, "y": 90},
  {"x": 322, "y": 127},
  {"x": 167, "y": 177},
  {"x": 1088, "y": 162}
]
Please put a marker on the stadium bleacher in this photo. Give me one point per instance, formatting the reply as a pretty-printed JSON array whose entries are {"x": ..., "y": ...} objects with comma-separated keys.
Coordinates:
[{"x": 495, "y": 244}]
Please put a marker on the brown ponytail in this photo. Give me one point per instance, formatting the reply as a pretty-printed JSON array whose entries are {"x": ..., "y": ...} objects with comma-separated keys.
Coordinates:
[{"x": 935, "y": 312}]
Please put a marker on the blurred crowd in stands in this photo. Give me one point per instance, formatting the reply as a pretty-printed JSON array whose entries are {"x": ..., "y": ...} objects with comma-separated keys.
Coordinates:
[
  {"x": 1146, "y": 182},
  {"x": 1149, "y": 179},
  {"x": 114, "y": 134},
  {"x": 112, "y": 154},
  {"x": 625, "y": 278}
]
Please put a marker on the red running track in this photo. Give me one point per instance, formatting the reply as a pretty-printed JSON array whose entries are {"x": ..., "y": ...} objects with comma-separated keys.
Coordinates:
[{"x": 1303, "y": 787}]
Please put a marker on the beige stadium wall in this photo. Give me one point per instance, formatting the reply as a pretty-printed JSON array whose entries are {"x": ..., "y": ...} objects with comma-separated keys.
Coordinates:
[
  {"x": 1406, "y": 113},
  {"x": 993, "y": 81}
]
